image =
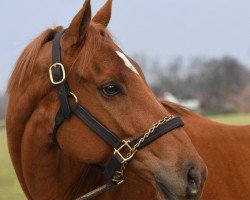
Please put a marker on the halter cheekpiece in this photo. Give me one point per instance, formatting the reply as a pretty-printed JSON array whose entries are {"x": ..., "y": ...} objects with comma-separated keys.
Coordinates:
[{"x": 114, "y": 171}]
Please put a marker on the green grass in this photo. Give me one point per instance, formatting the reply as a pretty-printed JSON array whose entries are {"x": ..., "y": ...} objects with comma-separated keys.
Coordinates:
[
  {"x": 235, "y": 119},
  {"x": 9, "y": 185}
]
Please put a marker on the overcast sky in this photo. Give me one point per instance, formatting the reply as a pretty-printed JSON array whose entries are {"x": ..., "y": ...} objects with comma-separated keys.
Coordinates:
[{"x": 161, "y": 29}]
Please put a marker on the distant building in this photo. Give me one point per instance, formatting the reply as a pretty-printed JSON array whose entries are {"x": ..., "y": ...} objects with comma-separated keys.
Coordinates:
[{"x": 191, "y": 104}]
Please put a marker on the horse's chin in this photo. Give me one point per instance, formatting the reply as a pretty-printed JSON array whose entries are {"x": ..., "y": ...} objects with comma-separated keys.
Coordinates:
[{"x": 163, "y": 193}]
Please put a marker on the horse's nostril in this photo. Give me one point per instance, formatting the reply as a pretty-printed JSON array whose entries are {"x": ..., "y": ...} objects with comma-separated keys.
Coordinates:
[{"x": 193, "y": 183}]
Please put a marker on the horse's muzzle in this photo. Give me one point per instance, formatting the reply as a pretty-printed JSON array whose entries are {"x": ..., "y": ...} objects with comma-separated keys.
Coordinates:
[{"x": 189, "y": 188}]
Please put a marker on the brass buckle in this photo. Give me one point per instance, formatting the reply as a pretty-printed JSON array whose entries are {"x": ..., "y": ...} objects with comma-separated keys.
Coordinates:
[
  {"x": 125, "y": 145},
  {"x": 51, "y": 75}
]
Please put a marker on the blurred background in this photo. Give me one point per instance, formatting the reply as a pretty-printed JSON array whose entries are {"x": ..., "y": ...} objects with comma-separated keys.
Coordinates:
[{"x": 196, "y": 53}]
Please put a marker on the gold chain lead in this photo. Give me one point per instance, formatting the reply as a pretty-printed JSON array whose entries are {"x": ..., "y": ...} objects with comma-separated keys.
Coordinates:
[{"x": 119, "y": 175}]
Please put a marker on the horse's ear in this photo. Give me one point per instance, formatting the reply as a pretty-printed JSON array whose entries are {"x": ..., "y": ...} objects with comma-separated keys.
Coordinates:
[
  {"x": 104, "y": 14},
  {"x": 78, "y": 26}
]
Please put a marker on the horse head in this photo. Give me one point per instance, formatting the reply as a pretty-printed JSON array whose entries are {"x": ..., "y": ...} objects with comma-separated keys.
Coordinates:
[{"x": 112, "y": 87}]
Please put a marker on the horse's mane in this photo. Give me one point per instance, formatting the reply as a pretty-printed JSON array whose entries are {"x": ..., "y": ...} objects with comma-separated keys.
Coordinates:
[
  {"x": 176, "y": 108},
  {"x": 25, "y": 64}
]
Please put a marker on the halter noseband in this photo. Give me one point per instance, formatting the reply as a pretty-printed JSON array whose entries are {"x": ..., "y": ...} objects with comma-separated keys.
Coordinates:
[{"x": 114, "y": 171}]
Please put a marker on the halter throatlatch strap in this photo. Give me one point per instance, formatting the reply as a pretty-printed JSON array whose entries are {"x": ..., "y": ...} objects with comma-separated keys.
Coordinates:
[{"x": 114, "y": 171}]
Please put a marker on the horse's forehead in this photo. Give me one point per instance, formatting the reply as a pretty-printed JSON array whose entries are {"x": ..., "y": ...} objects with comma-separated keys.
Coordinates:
[{"x": 127, "y": 62}]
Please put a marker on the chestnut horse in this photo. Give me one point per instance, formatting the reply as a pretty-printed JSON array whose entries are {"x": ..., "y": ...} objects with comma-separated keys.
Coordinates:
[{"x": 112, "y": 87}]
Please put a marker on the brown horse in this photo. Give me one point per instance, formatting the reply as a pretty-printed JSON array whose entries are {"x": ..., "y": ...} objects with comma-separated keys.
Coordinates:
[{"x": 112, "y": 87}]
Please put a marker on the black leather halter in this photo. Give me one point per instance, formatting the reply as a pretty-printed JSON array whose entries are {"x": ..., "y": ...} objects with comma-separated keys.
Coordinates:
[{"x": 114, "y": 171}]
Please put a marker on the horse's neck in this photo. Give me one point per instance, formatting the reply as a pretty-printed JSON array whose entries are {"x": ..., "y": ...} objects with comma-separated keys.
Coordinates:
[
  {"x": 20, "y": 108},
  {"x": 54, "y": 175}
]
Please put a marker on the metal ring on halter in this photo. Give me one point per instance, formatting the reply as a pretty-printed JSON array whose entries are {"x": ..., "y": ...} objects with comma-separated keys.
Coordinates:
[
  {"x": 51, "y": 74},
  {"x": 74, "y": 96},
  {"x": 118, "y": 151}
]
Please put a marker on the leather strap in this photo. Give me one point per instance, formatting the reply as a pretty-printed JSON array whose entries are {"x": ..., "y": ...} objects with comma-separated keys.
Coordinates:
[
  {"x": 98, "y": 191},
  {"x": 113, "y": 165},
  {"x": 56, "y": 47},
  {"x": 96, "y": 126},
  {"x": 58, "y": 121},
  {"x": 62, "y": 89},
  {"x": 160, "y": 131}
]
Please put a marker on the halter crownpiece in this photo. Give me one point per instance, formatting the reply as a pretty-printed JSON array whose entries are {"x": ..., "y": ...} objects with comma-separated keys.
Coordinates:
[{"x": 114, "y": 171}]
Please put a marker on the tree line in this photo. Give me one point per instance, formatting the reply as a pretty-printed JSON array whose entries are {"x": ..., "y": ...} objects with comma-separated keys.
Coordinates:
[{"x": 222, "y": 85}]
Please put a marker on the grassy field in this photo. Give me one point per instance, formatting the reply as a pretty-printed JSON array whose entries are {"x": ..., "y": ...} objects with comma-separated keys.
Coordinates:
[
  {"x": 9, "y": 186},
  {"x": 236, "y": 119}
]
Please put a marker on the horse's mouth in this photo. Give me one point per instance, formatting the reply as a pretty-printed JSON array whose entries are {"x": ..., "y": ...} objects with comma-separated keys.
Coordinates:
[
  {"x": 169, "y": 195},
  {"x": 166, "y": 193}
]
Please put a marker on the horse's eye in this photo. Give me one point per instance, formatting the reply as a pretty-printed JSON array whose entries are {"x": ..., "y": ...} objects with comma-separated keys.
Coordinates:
[{"x": 111, "y": 90}]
